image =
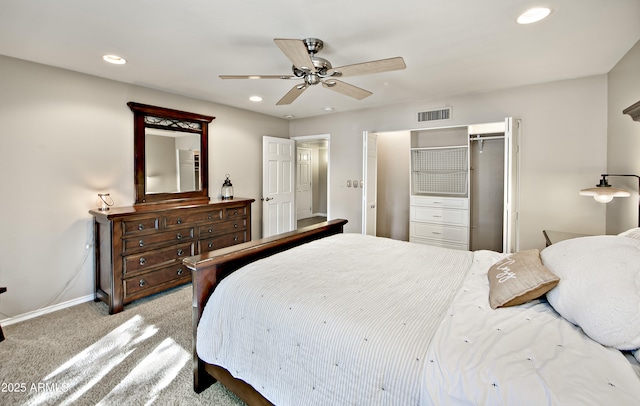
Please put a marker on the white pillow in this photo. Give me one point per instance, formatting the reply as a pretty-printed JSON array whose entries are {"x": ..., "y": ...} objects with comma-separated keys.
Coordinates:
[
  {"x": 599, "y": 287},
  {"x": 631, "y": 233}
]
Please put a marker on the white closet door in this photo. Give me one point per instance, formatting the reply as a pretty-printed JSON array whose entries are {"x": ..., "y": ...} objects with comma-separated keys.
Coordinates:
[
  {"x": 511, "y": 181},
  {"x": 370, "y": 189}
]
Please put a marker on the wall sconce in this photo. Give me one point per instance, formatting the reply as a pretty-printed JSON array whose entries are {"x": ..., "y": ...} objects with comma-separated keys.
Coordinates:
[
  {"x": 106, "y": 201},
  {"x": 604, "y": 193}
]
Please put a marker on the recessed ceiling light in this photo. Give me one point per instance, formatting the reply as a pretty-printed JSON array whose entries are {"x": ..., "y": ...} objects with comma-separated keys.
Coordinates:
[
  {"x": 533, "y": 15},
  {"x": 289, "y": 116},
  {"x": 328, "y": 108},
  {"x": 115, "y": 59},
  {"x": 255, "y": 98}
]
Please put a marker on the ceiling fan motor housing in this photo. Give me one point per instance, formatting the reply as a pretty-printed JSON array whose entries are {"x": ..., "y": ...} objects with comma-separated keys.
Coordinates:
[
  {"x": 314, "y": 45},
  {"x": 313, "y": 78}
]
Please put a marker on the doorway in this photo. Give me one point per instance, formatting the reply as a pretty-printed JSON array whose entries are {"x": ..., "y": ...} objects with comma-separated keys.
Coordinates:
[{"x": 312, "y": 179}]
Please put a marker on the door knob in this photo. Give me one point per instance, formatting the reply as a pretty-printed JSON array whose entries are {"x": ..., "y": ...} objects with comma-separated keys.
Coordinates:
[{"x": 267, "y": 199}]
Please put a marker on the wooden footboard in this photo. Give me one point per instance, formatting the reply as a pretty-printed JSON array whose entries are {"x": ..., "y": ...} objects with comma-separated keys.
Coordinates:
[{"x": 209, "y": 269}]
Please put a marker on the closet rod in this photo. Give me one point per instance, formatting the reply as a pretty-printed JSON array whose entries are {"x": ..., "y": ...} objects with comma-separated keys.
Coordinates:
[{"x": 478, "y": 138}]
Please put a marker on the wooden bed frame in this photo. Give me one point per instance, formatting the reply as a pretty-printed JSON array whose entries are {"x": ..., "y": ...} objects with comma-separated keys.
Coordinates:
[{"x": 209, "y": 269}]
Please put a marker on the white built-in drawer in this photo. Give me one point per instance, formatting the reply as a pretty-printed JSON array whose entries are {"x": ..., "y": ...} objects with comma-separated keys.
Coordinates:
[
  {"x": 459, "y": 235},
  {"x": 439, "y": 243},
  {"x": 439, "y": 215},
  {"x": 450, "y": 202}
]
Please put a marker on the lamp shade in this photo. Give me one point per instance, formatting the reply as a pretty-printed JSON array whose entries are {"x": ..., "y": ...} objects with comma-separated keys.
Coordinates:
[{"x": 604, "y": 194}]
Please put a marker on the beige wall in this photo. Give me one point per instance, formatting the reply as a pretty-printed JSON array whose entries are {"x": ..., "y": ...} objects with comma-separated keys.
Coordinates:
[
  {"x": 67, "y": 136},
  {"x": 623, "y": 146},
  {"x": 394, "y": 156},
  {"x": 563, "y": 145}
]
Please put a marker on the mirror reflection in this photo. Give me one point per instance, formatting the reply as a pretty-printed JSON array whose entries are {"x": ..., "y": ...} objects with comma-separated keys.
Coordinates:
[{"x": 172, "y": 161}]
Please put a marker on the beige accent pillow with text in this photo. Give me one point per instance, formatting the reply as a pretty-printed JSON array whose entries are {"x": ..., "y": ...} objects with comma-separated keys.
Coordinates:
[{"x": 519, "y": 278}]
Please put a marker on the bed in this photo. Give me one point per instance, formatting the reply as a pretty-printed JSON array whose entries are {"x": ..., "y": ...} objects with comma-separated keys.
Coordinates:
[{"x": 320, "y": 317}]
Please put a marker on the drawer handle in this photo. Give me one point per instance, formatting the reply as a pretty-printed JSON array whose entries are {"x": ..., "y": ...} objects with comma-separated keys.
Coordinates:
[
  {"x": 179, "y": 221},
  {"x": 140, "y": 226},
  {"x": 143, "y": 261},
  {"x": 211, "y": 244},
  {"x": 179, "y": 236},
  {"x": 179, "y": 272},
  {"x": 437, "y": 202},
  {"x": 437, "y": 216},
  {"x": 210, "y": 216},
  {"x": 235, "y": 213},
  {"x": 180, "y": 252},
  {"x": 210, "y": 230},
  {"x": 141, "y": 243},
  {"x": 235, "y": 238},
  {"x": 142, "y": 282},
  {"x": 436, "y": 233},
  {"x": 235, "y": 225}
]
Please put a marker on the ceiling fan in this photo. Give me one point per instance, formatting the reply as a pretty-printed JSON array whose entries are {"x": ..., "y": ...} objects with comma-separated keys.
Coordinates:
[{"x": 313, "y": 70}]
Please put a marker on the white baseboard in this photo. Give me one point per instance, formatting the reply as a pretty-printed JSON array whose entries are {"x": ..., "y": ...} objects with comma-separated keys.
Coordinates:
[
  {"x": 46, "y": 310},
  {"x": 319, "y": 215}
]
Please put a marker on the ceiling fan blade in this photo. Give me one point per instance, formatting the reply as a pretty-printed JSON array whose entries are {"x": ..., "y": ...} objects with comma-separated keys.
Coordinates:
[
  {"x": 297, "y": 53},
  {"x": 346, "y": 89},
  {"x": 258, "y": 77},
  {"x": 292, "y": 94},
  {"x": 365, "y": 68}
]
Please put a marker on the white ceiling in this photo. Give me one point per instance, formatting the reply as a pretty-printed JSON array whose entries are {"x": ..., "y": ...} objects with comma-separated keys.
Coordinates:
[{"x": 450, "y": 47}]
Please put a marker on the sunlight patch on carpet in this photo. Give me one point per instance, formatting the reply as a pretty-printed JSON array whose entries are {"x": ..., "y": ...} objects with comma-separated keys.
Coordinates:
[
  {"x": 153, "y": 373},
  {"x": 75, "y": 377}
]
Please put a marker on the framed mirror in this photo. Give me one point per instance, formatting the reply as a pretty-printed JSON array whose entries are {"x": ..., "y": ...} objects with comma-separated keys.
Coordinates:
[{"x": 170, "y": 155}]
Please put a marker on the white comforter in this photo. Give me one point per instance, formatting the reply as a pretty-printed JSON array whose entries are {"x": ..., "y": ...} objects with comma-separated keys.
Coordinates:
[
  {"x": 342, "y": 320},
  {"x": 521, "y": 355},
  {"x": 376, "y": 323}
]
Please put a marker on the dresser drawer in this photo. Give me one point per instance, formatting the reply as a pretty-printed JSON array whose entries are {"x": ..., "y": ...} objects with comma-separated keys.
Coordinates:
[
  {"x": 149, "y": 259},
  {"x": 435, "y": 201},
  {"x": 189, "y": 217},
  {"x": 140, "y": 226},
  {"x": 439, "y": 215},
  {"x": 235, "y": 212},
  {"x": 222, "y": 241},
  {"x": 209, "y": 230},
  {"x": 143, "y": 241},
  {"x": 154, "y": 278},
  {"x": 458, "y": 235},
  {"x": 231, "y": 226}
]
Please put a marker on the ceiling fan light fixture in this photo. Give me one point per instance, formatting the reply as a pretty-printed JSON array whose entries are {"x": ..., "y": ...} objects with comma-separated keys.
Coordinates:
[
  {"x": 314, "y": 70},
  {"x": 533, "y": 15},
  {"x": 114, "y": 59}
]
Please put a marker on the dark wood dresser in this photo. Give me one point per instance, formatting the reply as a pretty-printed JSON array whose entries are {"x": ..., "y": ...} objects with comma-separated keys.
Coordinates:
[{"x": 139, "y": 251}]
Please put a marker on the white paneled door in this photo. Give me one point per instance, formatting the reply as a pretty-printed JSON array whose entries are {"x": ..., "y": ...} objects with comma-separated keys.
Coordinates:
[
  {"x": 278, "y": 181},
  {"x": 303, "y": 183}
]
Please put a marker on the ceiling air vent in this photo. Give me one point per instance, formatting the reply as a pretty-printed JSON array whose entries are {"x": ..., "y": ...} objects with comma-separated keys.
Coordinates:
[{"x": 435, "y": 115}]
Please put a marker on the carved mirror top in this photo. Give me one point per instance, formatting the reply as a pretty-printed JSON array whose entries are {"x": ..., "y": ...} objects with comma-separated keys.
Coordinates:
[{"x": 170, "y": 155}]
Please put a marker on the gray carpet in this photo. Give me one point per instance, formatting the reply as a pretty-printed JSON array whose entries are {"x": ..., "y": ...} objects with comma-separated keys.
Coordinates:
[{"x": 84, "y": 356}]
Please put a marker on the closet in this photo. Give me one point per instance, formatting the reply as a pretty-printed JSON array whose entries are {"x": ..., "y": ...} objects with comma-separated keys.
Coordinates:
[{"x": 464, "y": 186}]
